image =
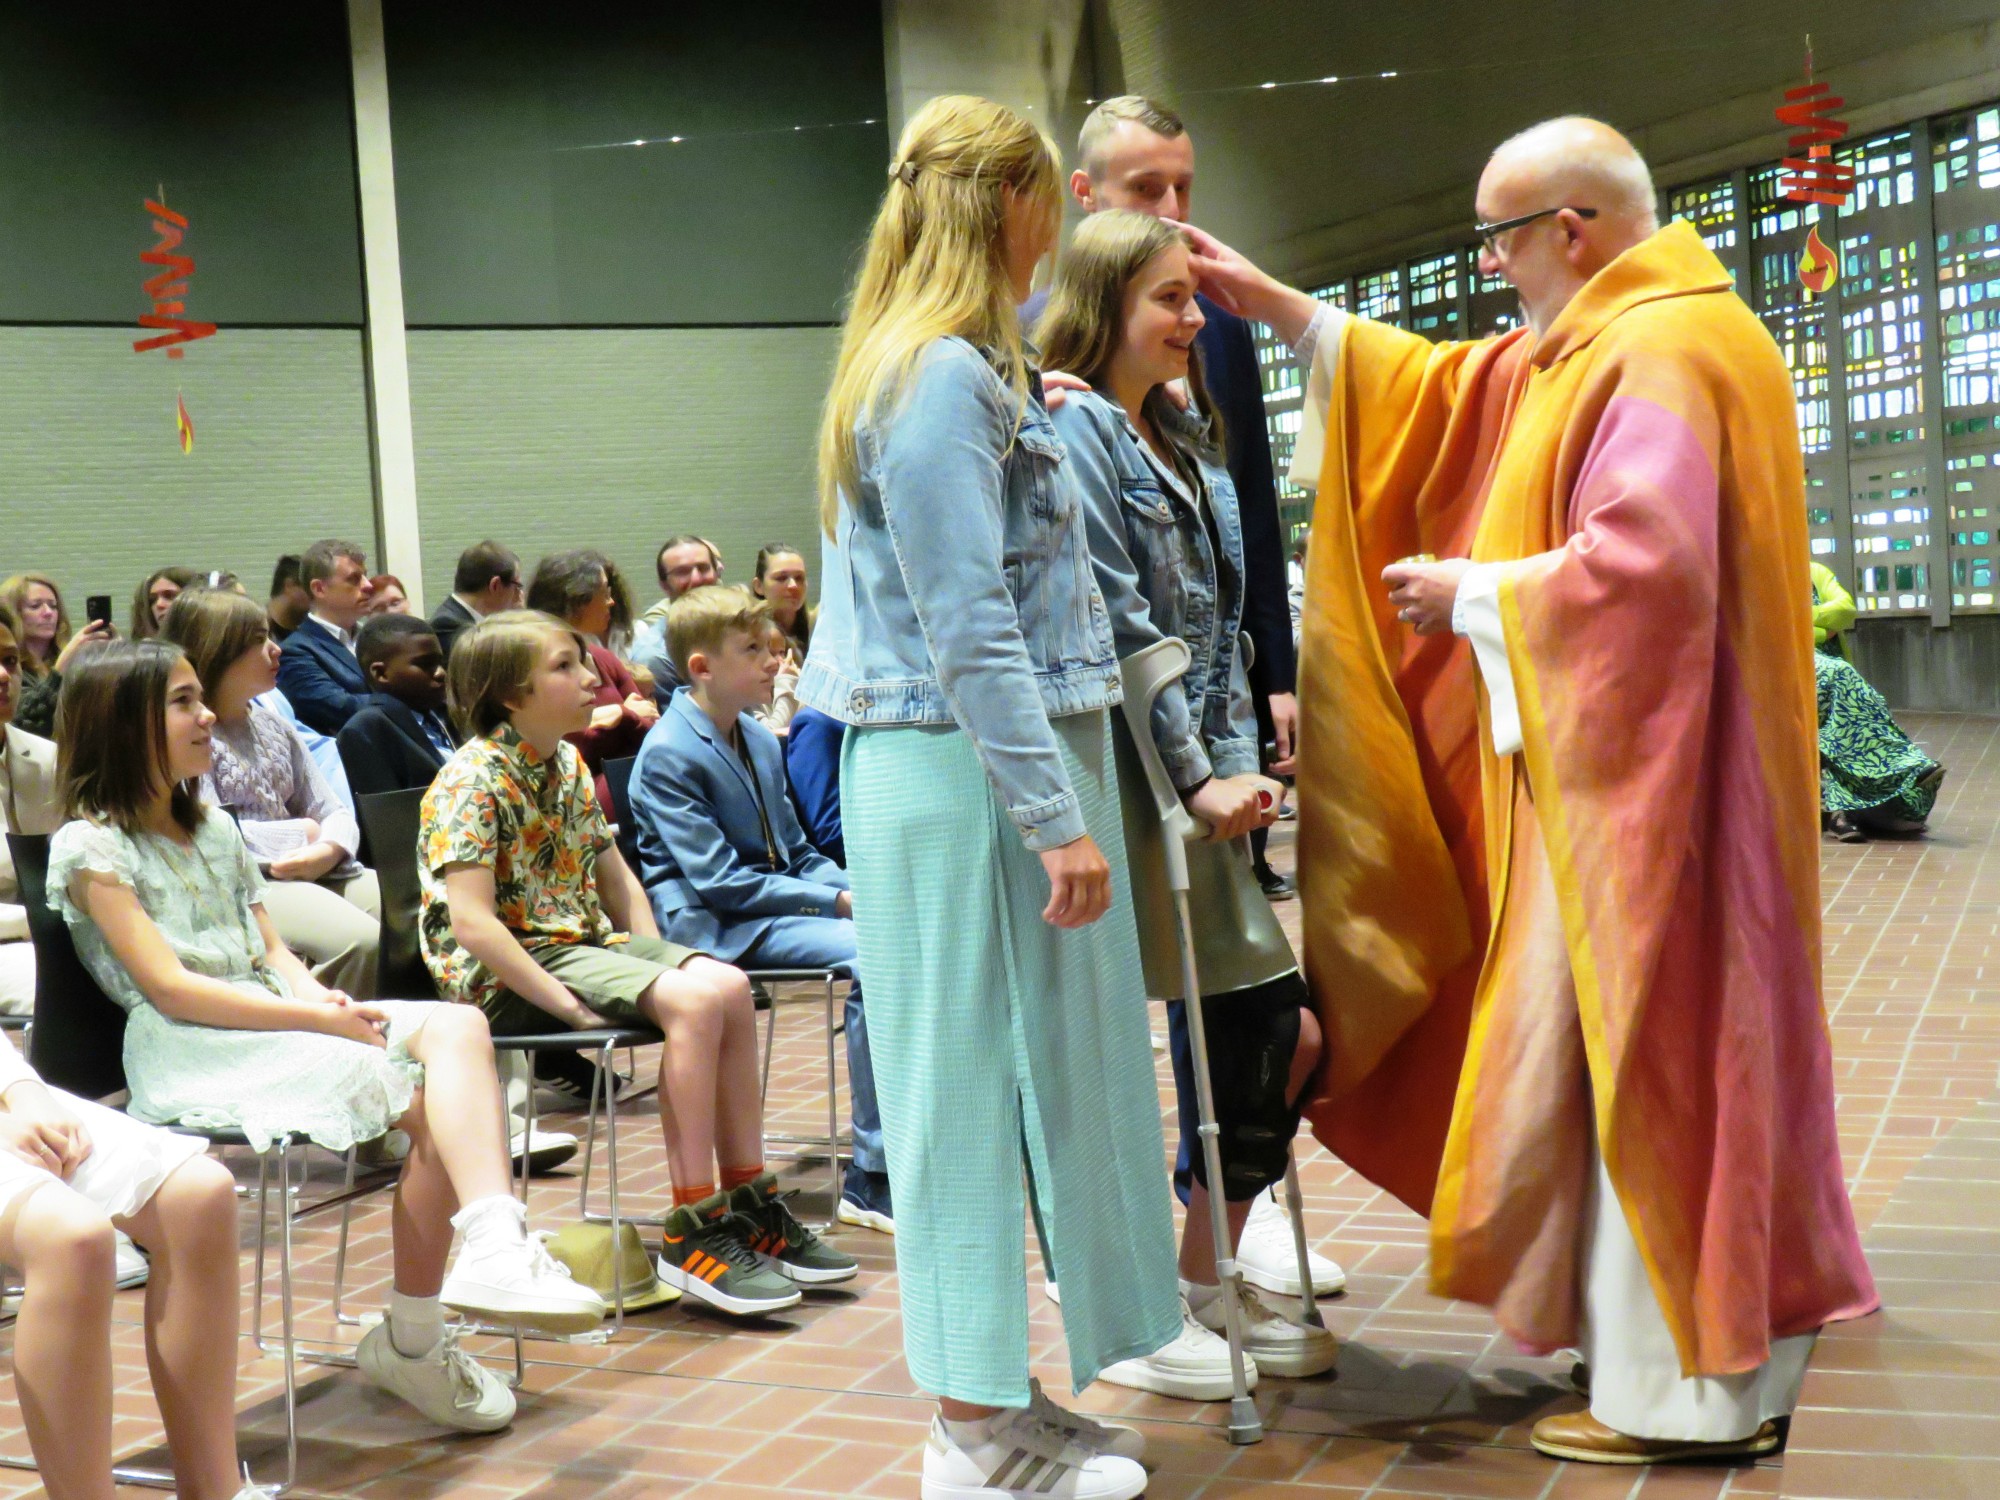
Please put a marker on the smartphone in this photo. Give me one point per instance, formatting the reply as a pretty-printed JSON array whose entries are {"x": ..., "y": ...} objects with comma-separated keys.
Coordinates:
[{"x": 98, "y": 607}]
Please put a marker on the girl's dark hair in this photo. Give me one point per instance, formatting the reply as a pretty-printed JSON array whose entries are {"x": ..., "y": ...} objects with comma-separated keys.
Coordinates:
[
  {"x": 111, "y": 736},
  {"x": 564, "y": 582},
  {"x": 143, "y": 626},
  {"x": 799, "y": 633}
]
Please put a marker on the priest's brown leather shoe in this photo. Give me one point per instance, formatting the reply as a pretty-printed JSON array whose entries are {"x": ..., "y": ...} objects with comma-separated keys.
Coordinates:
[{"x": 1581, "y": 1438}]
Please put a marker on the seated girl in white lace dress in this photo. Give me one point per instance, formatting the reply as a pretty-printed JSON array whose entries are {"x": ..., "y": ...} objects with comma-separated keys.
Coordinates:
[{"x": 227, "y": 1029}]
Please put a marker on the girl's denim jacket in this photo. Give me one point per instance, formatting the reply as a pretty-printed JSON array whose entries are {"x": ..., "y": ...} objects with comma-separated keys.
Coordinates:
[
  {"x": 1161, "y": 575},
  {"x": 957, "y": 587}
]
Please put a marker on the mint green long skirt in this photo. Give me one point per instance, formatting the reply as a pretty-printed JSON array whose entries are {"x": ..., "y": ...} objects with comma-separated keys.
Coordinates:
[{"x": 1002, "y": 1048}]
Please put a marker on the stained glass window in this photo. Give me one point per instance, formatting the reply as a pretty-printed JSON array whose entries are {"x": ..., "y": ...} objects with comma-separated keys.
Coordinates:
[
  {"x": 1495, "y": 307},
  {"x": 1965, "y": 215},
  {"x": 1434, "y": 289},
  {"x": 1379, "y": 295},
  {"x": 1711, "y": 208}
]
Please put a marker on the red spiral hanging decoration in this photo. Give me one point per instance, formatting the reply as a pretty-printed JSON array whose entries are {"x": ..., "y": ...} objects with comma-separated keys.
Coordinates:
[{"x": 1814, "y": 177}]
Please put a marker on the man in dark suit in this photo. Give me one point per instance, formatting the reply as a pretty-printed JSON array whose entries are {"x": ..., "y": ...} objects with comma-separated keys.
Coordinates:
[
  {"x": 317, "y": 671},
  {"x": 488, "y": 580},
  {"x": 402, "y": 739},
  {"x": 1134, "y": 153}
]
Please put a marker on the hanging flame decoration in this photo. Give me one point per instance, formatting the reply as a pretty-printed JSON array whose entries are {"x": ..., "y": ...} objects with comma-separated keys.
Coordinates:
[
  {"x": 168, "y": 290},
  {"x": 1818, "y": 269},
  {"x": 183, "y": 424},
  {"x": 1814, "y": 177}
]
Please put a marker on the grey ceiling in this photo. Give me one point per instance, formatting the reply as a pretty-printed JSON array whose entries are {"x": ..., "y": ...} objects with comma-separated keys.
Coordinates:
[{"x": 1279, "y": 167}]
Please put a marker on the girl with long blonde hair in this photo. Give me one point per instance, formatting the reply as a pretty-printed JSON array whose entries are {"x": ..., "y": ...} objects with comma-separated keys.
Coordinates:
[{"x": 961, "y": 640}]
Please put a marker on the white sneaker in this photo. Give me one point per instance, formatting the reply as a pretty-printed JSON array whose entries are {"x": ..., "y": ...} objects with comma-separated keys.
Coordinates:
[
  {"x": 1268, "y": 1258},
  {"x": 1281, "y": 1347},
  {"x": 1194, "y": 1367},
  {"x": 446, "y": 1385},
  {"x": 1052, "y": 1292},
  {"x": 259, "y": 1491},
  {"x": 1023, "y": 1460},
  {"x": 1085, "y": 1432},
  {"x": 521, "y": 1285},
  {"x": 133, "y": 1268},
  {"x": 545, "y": 1149}
]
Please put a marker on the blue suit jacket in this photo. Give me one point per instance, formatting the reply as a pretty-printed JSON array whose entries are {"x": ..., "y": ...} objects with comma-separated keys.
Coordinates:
[
  {"x": 702, "y": 854},
  {"x": 321, "y": 678}
]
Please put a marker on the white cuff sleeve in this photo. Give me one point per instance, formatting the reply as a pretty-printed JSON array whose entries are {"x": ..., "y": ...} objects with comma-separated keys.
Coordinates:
[
  {"x": 1318, "y": 352},
  {"x": 1475, "y": 613}
]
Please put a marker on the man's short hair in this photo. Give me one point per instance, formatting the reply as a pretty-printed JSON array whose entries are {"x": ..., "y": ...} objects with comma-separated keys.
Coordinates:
[
  {"x": 492, "y": 660},
  {"x": 480, "y": 564},
  {"x": 322, "y": 560},
  {"x": 381, "y": 636},
  {"x": 1108, "y": 116},
  {"x": 703, "y": 619},
  {"x": 685, "y": 539},
  {"x": 285, "y": 574}
]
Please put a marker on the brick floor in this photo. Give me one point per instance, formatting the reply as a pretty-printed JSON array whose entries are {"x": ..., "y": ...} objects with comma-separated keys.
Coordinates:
[{"x": 1429, "y": 1400}]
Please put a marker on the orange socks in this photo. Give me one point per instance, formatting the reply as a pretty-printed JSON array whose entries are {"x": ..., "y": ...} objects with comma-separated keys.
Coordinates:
[
  {"x": 693, "y": 1193},
  {"x": 735, "y": 1177},
  {"x": 732, "y": 1178}
]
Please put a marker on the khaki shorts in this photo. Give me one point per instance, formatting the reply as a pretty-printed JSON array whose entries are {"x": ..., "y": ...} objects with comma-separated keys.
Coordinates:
[{"x": 608, "y": 980}]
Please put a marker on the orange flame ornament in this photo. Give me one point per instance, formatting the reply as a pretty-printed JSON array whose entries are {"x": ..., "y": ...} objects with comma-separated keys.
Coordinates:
[
  {"x": 183, "y": 423},
  {"x": 1819, "y": 268}
]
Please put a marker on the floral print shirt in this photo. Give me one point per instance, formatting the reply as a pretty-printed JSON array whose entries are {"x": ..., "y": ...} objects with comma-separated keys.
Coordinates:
[{"x": 535, "y": 823}]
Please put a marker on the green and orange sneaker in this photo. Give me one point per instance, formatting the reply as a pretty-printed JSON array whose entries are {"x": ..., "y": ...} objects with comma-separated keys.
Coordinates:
[
  {"x": 782, "y": 1243},
  {"x": 705, "y": 1251}
]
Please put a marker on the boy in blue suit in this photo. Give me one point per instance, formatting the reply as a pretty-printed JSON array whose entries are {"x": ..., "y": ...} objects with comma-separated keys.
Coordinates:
[{"x": 721, "y": 853}]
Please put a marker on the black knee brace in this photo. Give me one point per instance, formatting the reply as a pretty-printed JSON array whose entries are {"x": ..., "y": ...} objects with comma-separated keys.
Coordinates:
[{"x": 1252, "y": 1035}]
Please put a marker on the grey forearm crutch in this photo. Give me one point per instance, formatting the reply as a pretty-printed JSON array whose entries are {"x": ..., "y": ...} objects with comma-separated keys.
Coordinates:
[{"x": 1145, "y": 674}]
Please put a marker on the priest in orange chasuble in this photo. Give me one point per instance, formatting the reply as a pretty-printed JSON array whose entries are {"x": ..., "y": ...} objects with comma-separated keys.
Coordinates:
[{"x": 1561, "y": 876}]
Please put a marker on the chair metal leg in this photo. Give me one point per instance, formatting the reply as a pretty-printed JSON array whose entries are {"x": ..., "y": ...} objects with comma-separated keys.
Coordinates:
[
  {"x": 770, "y": 1047},
  {"x": 340, "y": 1250},
  {"x": 832, "y": 1104},
  {"x": 290, "y": 1331}
]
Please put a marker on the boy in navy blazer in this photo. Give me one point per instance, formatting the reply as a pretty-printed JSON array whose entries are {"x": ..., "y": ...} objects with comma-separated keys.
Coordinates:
[
  {"x": 721, "y": 853},
  {"x": 402, "y": 738}
]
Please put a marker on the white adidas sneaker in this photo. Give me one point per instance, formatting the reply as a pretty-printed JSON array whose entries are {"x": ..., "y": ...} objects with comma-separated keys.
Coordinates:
[
  {"x": 1021, "y": 1459},
  {"x": 1269, "y": 1260},
  {"x": 1085, "y": 1432}
]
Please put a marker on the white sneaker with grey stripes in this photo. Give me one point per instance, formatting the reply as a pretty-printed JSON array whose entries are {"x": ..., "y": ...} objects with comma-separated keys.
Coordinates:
[{"x": 1021, "y": 1458}]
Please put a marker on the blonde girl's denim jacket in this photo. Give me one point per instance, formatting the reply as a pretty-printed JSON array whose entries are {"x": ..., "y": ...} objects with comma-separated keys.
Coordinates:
[
  {"x": 957, "y": 586},
  {"x": 1162, "y": 574}
]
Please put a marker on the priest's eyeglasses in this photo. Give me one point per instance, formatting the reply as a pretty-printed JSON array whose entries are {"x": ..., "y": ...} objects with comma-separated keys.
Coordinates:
[{"x": 1488, "y": 233}]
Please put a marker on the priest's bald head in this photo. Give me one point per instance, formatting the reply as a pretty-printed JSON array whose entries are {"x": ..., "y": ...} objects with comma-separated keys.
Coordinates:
[{"x": 1575, "y": 195}]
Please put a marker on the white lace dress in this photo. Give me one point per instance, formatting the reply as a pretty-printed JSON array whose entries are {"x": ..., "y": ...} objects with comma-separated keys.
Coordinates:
[{"x": 328, "y": 1089}]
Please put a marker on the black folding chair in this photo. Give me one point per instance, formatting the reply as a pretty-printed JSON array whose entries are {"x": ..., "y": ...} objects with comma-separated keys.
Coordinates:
[
  {"x": 618, "y": 781},
  {"x": 78, "y": 1045},
  {"x": 391, "y": 821}
]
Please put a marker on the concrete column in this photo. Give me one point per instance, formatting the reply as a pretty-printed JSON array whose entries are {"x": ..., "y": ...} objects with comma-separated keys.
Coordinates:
[
  {"x": 399, "y": 540},
  {"x": 1030, "y": 55}
]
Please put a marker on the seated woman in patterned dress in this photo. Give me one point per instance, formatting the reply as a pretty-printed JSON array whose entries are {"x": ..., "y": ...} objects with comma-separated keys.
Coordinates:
[
  {"x": 1872, "y": 779},
  {"x": 227, "y": 1029}
]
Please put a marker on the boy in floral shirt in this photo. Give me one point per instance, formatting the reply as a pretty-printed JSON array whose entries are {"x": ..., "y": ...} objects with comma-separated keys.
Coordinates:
[{"x": 530, "y": 913}]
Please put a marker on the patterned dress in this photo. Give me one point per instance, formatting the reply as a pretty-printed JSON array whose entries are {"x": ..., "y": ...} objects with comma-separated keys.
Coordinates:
[
  {"x": 328, "y": 1089},
  {"x": 1867, "y": 763}
]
